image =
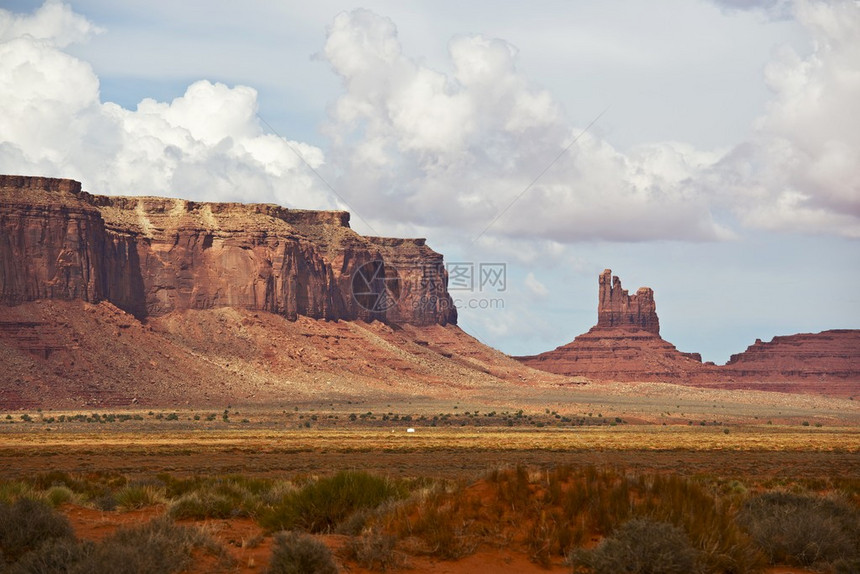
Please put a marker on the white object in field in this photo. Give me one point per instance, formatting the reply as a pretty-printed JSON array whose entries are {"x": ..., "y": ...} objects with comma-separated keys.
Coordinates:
[{"x": 410, "y": 430}]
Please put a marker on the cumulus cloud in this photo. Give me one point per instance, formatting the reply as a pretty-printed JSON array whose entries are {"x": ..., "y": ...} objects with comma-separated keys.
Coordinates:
[
  {"x": 457, "y": 150},
  {"x": 462, "y": 150},
  {"x": 54, "y": 24},
  {"x": 454, "y": 154},
  {"x": 799, "y": 171},
  {"x": 206, "y": 144}
]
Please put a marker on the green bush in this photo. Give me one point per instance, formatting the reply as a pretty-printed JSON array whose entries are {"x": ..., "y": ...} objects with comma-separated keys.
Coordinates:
[
  {"x": 14, "y": 489},
  {"x": 57, "y": 495},
  {"x": 85, "y": 487},
  {"x": 138, "y": 495},
  {"x": 229, "y": 497},
  {"x": 295, "y": 553},
  {"x": 803, "y": 529},
  {"x": 321, "y": 505},
  {"x": 26, "y": 524},
  {"x": 640, "y": 546}
]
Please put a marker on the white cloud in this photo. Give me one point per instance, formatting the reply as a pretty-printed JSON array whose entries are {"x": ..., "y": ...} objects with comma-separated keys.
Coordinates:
[
  {"x": 462, "y": 150},
  {"x": 435, "y": 150},
  {"x": 535, "y": 286},
  {"x": 799, "y": 172},
  {"x": 54, "y": 24},
  {"x": 774, "y": 8},
  {"x": 449, "y": 153},
  {"x": 206, "y": 144}
]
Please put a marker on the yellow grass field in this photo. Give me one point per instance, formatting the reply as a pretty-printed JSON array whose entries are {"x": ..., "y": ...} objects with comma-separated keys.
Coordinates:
[{"x": 452, "y": 452}]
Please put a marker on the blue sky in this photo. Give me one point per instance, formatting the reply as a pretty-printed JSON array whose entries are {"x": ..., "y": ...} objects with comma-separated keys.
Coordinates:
[{"x": 723, "y": 171}]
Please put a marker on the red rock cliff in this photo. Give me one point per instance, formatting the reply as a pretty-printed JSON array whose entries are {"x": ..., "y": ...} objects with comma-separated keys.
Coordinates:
[
  {"x": 151, "y": 256},
  {"x": 618, "y": 309}
]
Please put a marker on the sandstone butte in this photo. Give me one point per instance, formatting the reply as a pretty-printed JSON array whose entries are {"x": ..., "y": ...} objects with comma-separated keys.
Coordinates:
[{"x": 625, "y": 345}]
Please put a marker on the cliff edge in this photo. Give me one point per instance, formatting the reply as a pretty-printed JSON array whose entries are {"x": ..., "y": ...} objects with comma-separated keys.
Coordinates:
[{"x": 151, "y": 256}]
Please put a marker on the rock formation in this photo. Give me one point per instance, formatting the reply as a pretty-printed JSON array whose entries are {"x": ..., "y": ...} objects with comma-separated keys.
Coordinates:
[
  {"x": 150, "y": 256},
  {"x": 829, "y": 357},
  {"x": 618, "y": 309},
  {"x": 625, "y": 345}
]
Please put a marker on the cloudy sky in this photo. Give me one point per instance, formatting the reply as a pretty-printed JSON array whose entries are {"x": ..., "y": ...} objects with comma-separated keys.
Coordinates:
[{"x": 707, "y": 149}]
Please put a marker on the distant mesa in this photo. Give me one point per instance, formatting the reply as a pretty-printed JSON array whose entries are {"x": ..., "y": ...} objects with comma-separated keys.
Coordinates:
[{"x": 625, "y": 345}]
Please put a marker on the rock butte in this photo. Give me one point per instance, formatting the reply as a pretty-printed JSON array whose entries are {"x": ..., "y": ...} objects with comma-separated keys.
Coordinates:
[
  {"x": 119, "y": 301},
  {"x": 625, "y": 345}
]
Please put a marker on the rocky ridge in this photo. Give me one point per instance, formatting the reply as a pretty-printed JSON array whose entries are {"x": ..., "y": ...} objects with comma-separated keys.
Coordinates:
[{"x": 625, "y": 345}]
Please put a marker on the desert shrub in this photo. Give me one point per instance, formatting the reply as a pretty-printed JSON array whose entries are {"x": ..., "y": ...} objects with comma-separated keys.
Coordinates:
[
  {"x": 26, "y": 524},
  {"x": 197, "y": 506},
  {"x": 375, "y": 551},
  {"x": 552, "y": 533},
  {"x": 57, "y": 487},
  {"x": 55, "y": 556},
  {"x": 513, "y": 487},
  {"x": 639, "y": 546},
  {"x": 138, "y": 495},
  {"x": 223, "y": 497},
  {"x": 443, "y": 521},
  {"x": 12, "y": 490},
  {"x": 803, "y": 529},
  {"x": 709, "y": 522},
  {"x": 57, "y": 495},
  {"x": 355, "y": 523},
  {"x": 277, "y": 492},
  {"x": 106, "y": 502},
  {"x": 295, "y": 553},
  {"x": 45, "y": 480},
  {"x": 320, "y": 506},
  {"x": 157, "y": 547},
  {"x": 175, "y": 487}
]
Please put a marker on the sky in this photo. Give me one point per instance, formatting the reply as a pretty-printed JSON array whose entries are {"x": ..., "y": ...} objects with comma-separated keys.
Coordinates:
[{"x": 709, "y": 149}]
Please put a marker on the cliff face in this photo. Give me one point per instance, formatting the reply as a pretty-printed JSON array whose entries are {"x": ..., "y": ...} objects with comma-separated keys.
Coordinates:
[
  {"x": 618, "y": 309},
  {"x": 151, "y": 256},
  {"x": 833, "y": 354}
]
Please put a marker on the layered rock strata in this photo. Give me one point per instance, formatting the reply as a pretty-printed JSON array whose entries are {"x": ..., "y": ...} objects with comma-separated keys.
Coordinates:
[
  {"x": 618, "y": 309},
  {"x": 151, "y": 256},
  {"x": 828, "y": 355},
  {"x": 625, "y": 345}
]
